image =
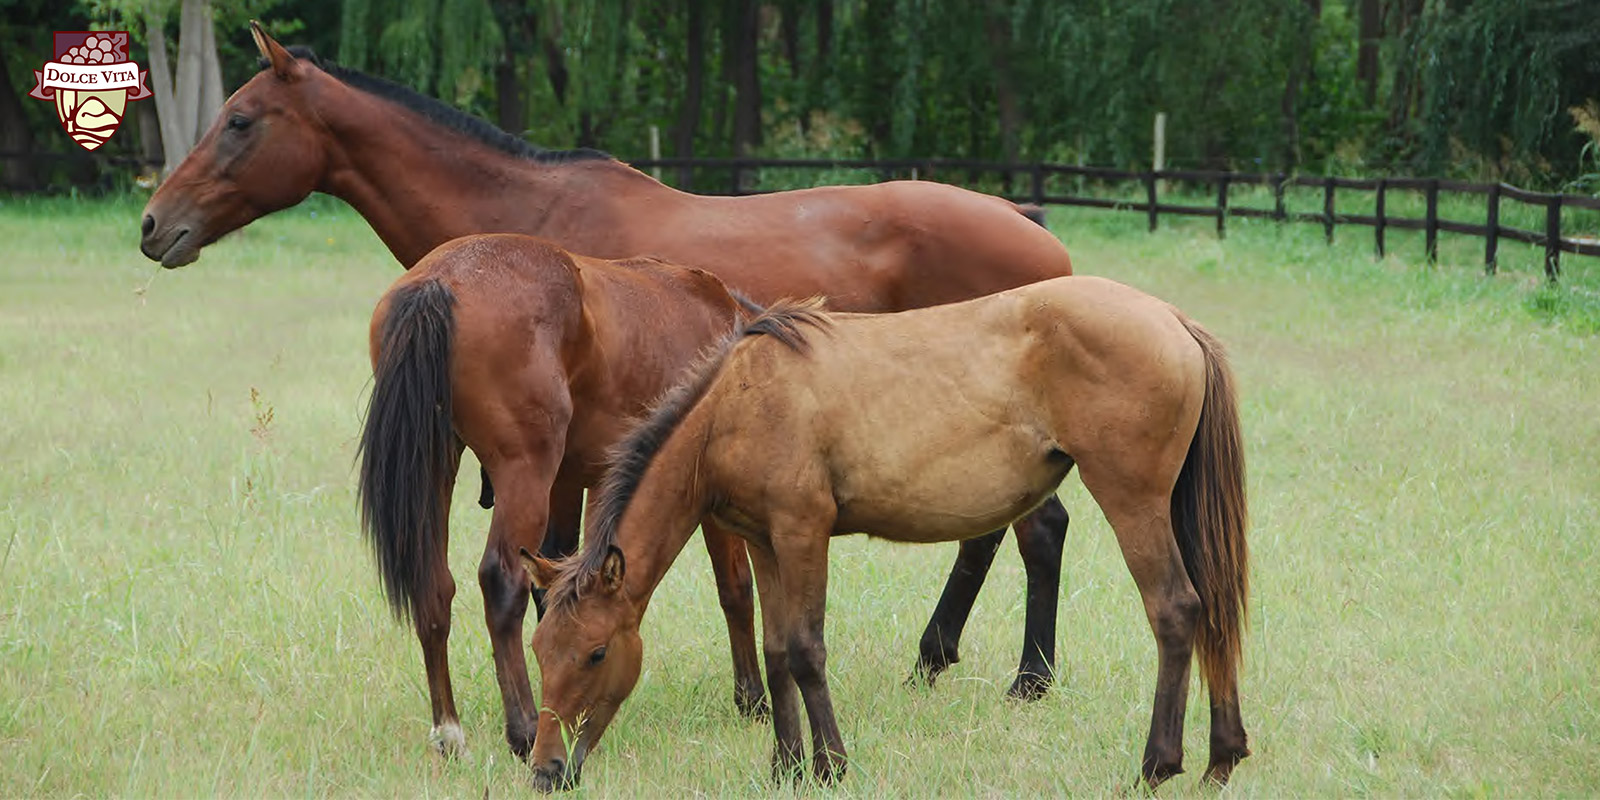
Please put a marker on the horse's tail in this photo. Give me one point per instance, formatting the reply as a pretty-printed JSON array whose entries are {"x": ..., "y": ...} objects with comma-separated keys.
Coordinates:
[
  {"x": 1209, "y": 516},
  {"x": 1034, "y": 213},
  {"x": 409, "y": 451}
]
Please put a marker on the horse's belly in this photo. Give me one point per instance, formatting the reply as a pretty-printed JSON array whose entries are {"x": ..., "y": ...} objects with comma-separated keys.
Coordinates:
[{"x": 966, "y": 491}]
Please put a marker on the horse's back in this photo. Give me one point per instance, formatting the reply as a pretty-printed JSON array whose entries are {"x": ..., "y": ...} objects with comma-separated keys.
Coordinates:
[{"x": 884, "y": 247}]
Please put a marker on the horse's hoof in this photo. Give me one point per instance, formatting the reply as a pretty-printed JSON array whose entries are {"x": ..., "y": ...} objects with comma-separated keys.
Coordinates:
[
  {"x": 1221, "y": 768},
  {"x": 828, "y": 768},
  {"x": 785, "y": 766},
  {"x": 1157, "y": 774},
  {"x": 928, "y": 670},
  {"x": 447, "y": 740},
  {"x": 752, "y": 707},
  {"x": 520, "y": 742},
  {"x": 1029, "y": 687}
]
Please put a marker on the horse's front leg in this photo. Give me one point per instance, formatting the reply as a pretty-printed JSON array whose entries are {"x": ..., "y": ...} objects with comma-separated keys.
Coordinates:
[
  {"x": 522, "y": 505},
  {"x": 730, "y": 563},
  {"x": 800, "y": 549},
  {"x": 788, "y": 748}
]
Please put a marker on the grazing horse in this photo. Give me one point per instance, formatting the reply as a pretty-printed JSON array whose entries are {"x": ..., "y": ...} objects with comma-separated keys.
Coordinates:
[
  {"x": 931, "y": 425},
  {"x": 538, "y": 360},
  {"x": 422, "y": 173}
]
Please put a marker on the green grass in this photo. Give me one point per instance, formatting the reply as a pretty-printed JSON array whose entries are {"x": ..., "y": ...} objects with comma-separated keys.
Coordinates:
[{"x": 187, "y": 609}]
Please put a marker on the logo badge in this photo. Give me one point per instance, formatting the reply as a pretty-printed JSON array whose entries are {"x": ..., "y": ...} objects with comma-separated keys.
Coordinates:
[{"x": 91, "y": 81}]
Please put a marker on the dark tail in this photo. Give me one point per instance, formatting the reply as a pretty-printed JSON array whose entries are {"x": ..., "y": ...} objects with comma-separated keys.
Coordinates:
[
  {"x": 1033, "y": 212},
  {"x": 1209, "y": 516},
  {"x": 409, "y": 451}
]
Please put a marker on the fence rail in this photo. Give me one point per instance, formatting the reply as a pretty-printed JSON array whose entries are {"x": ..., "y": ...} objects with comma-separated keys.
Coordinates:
[{"x": 1036, "y": 177}]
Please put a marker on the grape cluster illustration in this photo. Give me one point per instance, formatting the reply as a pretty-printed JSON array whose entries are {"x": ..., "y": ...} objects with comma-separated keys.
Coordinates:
[{"x": 95, "y": 50}]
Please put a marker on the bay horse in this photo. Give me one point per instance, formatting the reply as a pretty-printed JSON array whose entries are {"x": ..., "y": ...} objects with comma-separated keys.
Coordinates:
[
  {"x": 596, "y": 342},
  {"x": 422, "y": 173},
  {"x": 924, "y": 426}
]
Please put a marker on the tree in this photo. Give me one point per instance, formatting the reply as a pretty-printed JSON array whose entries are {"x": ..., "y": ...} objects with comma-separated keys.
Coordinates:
[{"x": 188, "y": 97}]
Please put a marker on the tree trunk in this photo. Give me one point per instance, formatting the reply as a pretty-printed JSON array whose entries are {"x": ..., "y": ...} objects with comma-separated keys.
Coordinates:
[
  {"x": 212, "y": 92},
  {"x": 1300, "y": 65},
  {"x": 511, "y": 112},
  {"x": 191, "y": 68},
  {"x": 746, "y": 78},
  {"x": 149, "y": 123},
  {"x": 1403, "y": 94},
  {"x": 997, "y": 25},
  {"x": 683, "y": 133},
  {"x": 1367, "y": 51},
  {"x": 15, "y": 136},
  {"x": 877, "y": 18},
  {"x": 555, "y": 65},
  {"x": 173, "y": 146},
  {"x": 789, "y": 33}
]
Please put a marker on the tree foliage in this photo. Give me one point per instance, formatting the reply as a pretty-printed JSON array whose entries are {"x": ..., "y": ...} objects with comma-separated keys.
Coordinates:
[{"x": 1462, "y": 87}]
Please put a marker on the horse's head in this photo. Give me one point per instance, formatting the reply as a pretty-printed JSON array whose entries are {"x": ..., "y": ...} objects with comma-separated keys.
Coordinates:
[
  {"x": 263, "y": 152},
  {"x": 589, "y": 652}
]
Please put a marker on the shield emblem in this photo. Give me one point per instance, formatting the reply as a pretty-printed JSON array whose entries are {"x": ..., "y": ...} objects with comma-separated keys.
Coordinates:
[
  {"x": 91, "y": 81},
  {"x": 90, "y": 117}
]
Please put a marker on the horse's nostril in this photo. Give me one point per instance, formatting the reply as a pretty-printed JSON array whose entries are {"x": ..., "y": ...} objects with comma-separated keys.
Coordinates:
[{"x": 149, "y": 225}]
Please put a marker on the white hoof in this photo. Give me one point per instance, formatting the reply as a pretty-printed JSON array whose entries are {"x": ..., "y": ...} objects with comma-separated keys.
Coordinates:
[{"x": 447, "y": 740}]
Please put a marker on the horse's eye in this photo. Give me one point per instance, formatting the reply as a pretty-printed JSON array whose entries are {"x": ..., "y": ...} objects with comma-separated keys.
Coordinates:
[
  {"x": 597, "y": 656},
  {"x": 238, "y": 122}
]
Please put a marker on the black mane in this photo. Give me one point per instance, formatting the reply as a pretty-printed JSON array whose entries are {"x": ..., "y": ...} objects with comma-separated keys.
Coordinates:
[
  {"x": 630, "y": 457},
  {"x": 445, "y": 115}
]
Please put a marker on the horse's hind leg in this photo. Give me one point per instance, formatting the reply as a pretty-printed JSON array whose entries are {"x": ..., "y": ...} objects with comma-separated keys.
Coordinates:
[
  {"x": 433, "y": 632},
  {"x": 1040, "y": 538},
  {"x": 730, "y": 563},
  {"x": 1228, "y": 745},
  {"x": 941, "y": 640},
  {"x": 1142, "y": 519},
  {"x": 521, "y": 512}
]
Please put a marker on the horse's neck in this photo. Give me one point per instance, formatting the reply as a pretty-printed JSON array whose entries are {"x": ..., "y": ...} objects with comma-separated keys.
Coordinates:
[
  {"x": 664, "y": 513},
  {"x": 420, "y": 185}
]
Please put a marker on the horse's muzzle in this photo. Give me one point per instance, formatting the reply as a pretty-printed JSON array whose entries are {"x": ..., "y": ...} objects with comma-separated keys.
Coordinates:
[
  {"x": 553, "y": 776},
  {"x": 173, "y": 247}
]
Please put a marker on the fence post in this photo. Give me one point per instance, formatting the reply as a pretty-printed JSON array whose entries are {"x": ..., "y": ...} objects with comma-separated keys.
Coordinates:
[
  {"x": 1038, "y": 183},
  {"x": 1382, "y": 220},
  {"x": 1430, "y": 225},
  {"x": 1159, "y": 157},
  {"x": 1278, "y": 214},
  {"x": 1491, "y": 237},
  {"x": 1150, "y": 193},
  {"x": 655, "y": 151},
  {"x": 1327, "y": 208},
  {"x": 1552, "y": 238},
  {"x": 1222, "y": 207},
  {"x": 736, "y": 188}
]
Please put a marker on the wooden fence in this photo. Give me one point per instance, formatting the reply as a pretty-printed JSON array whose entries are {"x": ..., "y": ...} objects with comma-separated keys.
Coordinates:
[{"x": 1036, "y": 178}]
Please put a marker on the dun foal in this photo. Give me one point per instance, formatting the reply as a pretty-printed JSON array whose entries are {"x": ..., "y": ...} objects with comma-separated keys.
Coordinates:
[{"x": 932, "y": 425}]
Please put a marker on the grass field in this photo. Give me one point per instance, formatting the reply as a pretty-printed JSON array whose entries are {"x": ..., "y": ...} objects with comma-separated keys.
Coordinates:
[{"x": 186, "y": 608}]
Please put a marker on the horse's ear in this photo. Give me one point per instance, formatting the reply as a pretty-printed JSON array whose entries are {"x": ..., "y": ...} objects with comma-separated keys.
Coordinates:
[
  {"x": 540, "y": 571},
  {"x": 612, "y": 570},
  {"x": 282, "y": 61}
]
